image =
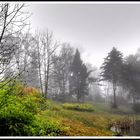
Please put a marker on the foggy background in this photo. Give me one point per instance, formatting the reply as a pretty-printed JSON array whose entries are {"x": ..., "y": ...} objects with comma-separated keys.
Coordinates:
[{"x": 93, "y": 28}]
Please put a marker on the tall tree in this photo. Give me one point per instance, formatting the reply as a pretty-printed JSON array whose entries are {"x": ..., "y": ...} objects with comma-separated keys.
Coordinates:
[
  {"x": 46, "y": 47},
  {"x": 84, "y": 81},
  {"x": 61, "y": 72},
  {"x": 79, "y": 77},
  {"x": 112, "y": 70},
  {"x": 131, "y": 77}
]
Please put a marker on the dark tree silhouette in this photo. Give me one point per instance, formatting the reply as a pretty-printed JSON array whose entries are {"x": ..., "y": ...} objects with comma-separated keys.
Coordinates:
[
  {"x": 79, "y": 77},
  {"x": 131, "y": 77},
  {"x": 112, "y": 70}
]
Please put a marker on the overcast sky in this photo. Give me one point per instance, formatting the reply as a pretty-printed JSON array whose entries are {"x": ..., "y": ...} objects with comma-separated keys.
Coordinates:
[{"x": 94, "y": 28}]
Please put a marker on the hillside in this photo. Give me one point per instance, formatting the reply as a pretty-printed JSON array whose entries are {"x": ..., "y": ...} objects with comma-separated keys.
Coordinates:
[{"x": 27, "y": 113}]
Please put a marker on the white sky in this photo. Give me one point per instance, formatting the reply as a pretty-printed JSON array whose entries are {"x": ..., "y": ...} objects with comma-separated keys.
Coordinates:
[{"x": 94, "y": 28}]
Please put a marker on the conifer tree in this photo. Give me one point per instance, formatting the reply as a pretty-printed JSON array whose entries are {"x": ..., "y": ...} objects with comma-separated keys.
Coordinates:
[
  {"x": 79, "y": 77},
  {"x": 112, "y": 70}
]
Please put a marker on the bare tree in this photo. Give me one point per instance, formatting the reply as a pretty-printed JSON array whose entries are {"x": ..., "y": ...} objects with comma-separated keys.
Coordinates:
[
  {"x": 12, "y": 21},
  {"x": 37, "y": 37},
  {"x": 46, "y": 48}
]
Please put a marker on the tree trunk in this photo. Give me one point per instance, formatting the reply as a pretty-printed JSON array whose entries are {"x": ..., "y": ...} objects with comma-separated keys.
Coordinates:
[
  {"x": 114, "y": 95},
  {"x": 39, "y": 68},
  {"x": 47, "y": 78},
  {"x": 134, "y": 99},
  {"x": 83, "y": 99},
  {"x": 5, "y": 20},
  {"x": 63, "y": 88},
  {"x": 78, "y": 98}
]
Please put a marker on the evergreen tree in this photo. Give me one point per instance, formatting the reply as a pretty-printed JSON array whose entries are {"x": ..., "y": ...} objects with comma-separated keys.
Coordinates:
[
  {"x": 84, "y": 75},
  {"x": 112, "y": 70},
  {"x": 79, "y": 77}
]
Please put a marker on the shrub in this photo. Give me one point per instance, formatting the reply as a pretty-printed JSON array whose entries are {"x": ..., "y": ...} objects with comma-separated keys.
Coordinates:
[
  {"x": 15, "y": 118},
  {"x": 19, "y": 118},
  {"x": 79, "y": 106},
  {"x": 44, "y": 126},
  {"x": 16, "y": 112},
  {"x": 19, "y": 114}
]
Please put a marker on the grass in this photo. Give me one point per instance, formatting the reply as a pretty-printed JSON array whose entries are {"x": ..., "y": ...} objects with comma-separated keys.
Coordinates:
[
  {"x": 79, "y": 121},
  {"x": 41, "y": 117},
  {"x": 84, "y": 122},
  {"x": 106, "y": 109}
]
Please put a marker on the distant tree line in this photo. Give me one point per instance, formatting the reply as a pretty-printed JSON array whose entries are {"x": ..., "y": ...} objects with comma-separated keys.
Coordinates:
[{"x": 57, "y": 69}]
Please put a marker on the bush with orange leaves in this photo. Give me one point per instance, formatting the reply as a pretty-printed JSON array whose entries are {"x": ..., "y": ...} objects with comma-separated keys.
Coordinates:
[
  {"x": 29, "y": 93},
  {"x": 35, "y": 96},
  {"x": 31, "y": 90}
]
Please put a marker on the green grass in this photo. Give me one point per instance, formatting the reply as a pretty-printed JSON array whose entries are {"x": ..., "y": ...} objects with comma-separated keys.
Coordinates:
[
  {"x": 97, "y": 122},
  {"x": 78, "y": 122}
]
